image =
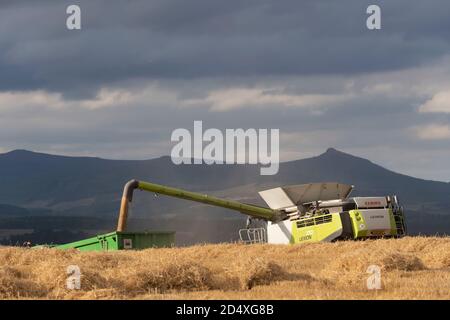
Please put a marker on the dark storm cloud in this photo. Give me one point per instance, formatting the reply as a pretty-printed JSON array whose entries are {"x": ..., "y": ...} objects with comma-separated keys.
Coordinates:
[
  {"x": 180, "y": 61},
  {"x": 168, "y": 39}
]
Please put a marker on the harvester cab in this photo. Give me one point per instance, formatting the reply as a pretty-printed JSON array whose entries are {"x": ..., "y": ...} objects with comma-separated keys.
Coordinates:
[{"x": 324, "y": 212}]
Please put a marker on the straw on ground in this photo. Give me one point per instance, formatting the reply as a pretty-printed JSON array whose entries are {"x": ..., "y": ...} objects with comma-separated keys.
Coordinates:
[{"x": 411, "y": 268}]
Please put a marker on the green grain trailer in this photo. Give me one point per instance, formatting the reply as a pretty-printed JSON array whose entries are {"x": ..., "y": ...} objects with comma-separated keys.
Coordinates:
[{"x": 123, "y": 241}]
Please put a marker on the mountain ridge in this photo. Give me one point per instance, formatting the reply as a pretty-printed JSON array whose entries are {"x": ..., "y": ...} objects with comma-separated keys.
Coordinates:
[
  {"x": 29, "y": 177},
  {"x": 17, "y": 153}
]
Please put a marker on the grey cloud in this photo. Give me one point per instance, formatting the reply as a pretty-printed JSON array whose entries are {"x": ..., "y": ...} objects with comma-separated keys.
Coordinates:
[{"x": 195, "y": 39}]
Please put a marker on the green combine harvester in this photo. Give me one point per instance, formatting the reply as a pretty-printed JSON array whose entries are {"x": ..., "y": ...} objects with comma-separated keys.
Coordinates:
[{"x": 315, "y": 212}]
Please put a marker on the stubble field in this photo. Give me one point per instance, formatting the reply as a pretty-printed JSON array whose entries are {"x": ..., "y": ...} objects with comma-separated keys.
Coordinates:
[{"x": 409, "y": 268}]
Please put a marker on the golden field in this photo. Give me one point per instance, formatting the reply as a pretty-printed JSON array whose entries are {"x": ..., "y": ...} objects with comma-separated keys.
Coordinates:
[{"x": 411, "y": 268}]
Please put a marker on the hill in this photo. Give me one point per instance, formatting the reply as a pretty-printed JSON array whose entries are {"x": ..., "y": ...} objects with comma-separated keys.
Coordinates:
[{"x": 90, "y": 185}]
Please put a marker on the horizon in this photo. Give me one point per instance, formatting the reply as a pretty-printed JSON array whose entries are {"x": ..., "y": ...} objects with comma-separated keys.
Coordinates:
[{"x": 329, "y": 149}]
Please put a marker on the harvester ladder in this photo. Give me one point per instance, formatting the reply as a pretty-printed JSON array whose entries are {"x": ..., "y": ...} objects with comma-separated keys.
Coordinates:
[
  {"x": 400, "y": 223},
  {"x": 253, "y": 235}
]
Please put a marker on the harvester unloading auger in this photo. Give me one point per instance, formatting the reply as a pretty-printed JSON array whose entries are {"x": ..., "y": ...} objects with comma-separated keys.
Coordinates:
[{"x": 304, "y": 213}]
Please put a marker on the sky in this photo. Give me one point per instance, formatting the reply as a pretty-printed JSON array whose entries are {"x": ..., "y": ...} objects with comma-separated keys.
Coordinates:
[{"x": 138, "y": 70}]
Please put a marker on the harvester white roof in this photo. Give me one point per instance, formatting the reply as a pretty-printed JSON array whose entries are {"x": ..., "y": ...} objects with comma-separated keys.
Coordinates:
[{"x": 288, "y": 196}]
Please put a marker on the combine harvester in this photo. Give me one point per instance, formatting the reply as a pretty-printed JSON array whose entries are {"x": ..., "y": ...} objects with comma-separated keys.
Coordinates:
[{"x": 315, "y": 212}]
